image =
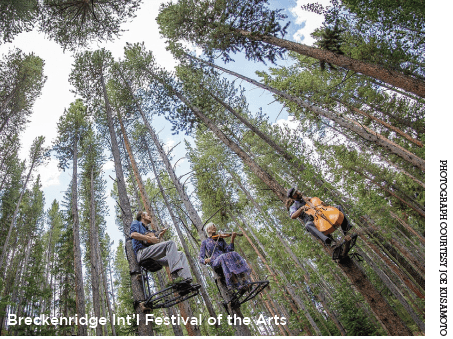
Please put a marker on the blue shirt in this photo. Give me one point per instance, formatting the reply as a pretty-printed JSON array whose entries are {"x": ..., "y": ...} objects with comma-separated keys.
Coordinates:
[{"x": 139, "y": 227}]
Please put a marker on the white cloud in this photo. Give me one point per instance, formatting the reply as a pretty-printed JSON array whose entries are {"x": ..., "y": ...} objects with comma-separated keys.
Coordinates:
[
  {"x": 191, "y": 47},
  {"x": 169, "y": 144},
  {"x": 109, "y": 165},
  {"x": 291, "y": 122},
  {"x": 50, "y": 173},
  {"x": 309, "y": 20}
]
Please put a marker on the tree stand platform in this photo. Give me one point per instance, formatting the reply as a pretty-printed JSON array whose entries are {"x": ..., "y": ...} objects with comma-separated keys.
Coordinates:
[
  {"x": 169, "y": 296},
  {"x": 342, "y": 250},
  {"x": 172, "y": 295},
  {"x": 240, "y": 296},
  {"x": 248, "y": 292}
]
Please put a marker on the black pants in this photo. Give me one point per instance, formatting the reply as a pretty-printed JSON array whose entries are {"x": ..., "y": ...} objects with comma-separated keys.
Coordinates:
[
  {"x": 345, "y": 224},
  {"x": 310, "y": 227}
]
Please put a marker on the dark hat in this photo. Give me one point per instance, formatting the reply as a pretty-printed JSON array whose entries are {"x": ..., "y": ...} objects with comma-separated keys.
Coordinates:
[{"x": 290, "y": 192}]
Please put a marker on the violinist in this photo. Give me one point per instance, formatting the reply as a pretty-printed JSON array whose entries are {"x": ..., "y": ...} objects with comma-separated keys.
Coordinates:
[
  {"x": 296, "y": 205},
  {"x": 215, "y": 252}
]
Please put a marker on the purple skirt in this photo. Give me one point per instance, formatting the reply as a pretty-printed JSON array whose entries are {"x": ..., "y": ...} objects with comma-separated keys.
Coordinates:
[{"x": 235, "y": 269}]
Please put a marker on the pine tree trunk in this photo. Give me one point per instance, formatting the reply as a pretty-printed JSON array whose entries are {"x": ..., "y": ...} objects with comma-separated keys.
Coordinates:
[
  {"x": 397, "y": 257},
  {"x": 362, "y": 131},
  {"x": 286, "y": 286},
  {"x": 394, "y": 78},
  {"x": 194, "y": 269},
  {"x": 21, "y": 266},
  {"x": 103, "y": 306},
  {"x": 407, "y": 227},
  {"x": 17, "y": 281},
  {"x": 106, "y": 292},
  {"x": 290, "y": 302},
  {"x": 393, "y": 288},
  {"x": 393, "y": 267},
  {"x": 395, "y": 89},
  {"x": 78, "y": 275},
  {"x": 403, "y": 121},
  {"x": 417, "y": 250},
  {"x": 289, "y": 157},
  {"x": 271, "y": 311},
  {"x": 137, "y": 289},
  {"x": 278, "y": 307},
  {"x": 113, "y": 290},
  {"x": 386, "y": 189},
  {"x": 332, "y": 315},
  {"x": 136, "y": 172},
  {"x": 139, "y": 205},
  {"x": 382, "y": 122},
  {"x": 6, "y": 285},
  {"x": 388, "y": 318},
  {"x": 177, "y": 330},
  {"x": 94, "y": 260},
  {"x": 16, "y": 211},
  {"x": 405, "y": 173}
]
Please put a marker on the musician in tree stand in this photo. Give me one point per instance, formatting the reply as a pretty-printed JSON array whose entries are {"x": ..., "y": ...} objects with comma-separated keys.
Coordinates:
[
  {"x": 215, "y": 252},
  {"x": 297, "y": 206},
  {"x": 147, "y": 244}
]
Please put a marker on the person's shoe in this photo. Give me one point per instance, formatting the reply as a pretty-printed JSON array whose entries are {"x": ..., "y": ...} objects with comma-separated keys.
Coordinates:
[
  {"x": 330, "y": 242},
  {"x": 175, "y": 281},
  {"x": 184, "y": 289},
  {"x": 187, "y": 281},
  {"x": 245, "y": 288},
  {"x": 182, "y": 281},
  {"x": 346, "y": 230}
]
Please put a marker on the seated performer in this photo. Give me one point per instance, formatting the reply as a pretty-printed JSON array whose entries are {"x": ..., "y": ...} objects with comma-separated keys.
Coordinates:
[
  {"x": 147, "y": 245},
  {"x": 296, "y": 205},
  {"x": 219, "y": 254}
]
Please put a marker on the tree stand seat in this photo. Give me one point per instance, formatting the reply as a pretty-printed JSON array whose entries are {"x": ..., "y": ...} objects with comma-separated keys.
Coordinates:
[
  {"x": 150, "y": 265},
  {"x": 169, "y": 296}
]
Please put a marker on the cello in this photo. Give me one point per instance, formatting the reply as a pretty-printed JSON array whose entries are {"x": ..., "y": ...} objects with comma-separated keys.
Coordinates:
[{"x": 326, "y": 218}]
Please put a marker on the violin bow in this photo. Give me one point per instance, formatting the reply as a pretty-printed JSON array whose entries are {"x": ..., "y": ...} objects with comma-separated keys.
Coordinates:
[{"x": 214, "y": 248}]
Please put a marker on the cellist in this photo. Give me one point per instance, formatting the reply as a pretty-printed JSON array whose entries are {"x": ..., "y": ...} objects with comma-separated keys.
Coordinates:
[{"x": 296, "y": 205}]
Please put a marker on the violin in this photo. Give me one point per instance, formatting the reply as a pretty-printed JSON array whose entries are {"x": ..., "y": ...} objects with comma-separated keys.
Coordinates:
[
  {"x": 326, "y": 218},
  {"x": 224, "y": 235}
]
